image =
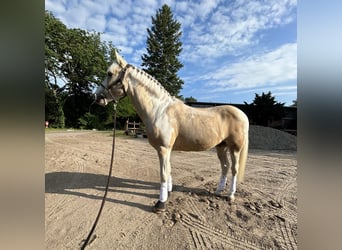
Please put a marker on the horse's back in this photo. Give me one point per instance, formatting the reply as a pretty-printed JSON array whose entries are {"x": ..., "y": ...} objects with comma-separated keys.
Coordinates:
[{"x": 212, "y": 116}]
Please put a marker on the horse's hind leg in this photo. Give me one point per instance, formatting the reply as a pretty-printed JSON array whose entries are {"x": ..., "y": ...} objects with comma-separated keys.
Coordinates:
[
  {"x": 235, "y": 155},
  {"x": 222, "y": 155}
]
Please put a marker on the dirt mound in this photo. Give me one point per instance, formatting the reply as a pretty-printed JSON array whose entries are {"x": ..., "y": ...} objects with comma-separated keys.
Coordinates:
[{"x": 270, "y": 139}]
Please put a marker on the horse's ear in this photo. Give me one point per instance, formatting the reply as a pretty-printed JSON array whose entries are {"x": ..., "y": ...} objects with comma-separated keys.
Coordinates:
[{"x": 120, "y": 60}]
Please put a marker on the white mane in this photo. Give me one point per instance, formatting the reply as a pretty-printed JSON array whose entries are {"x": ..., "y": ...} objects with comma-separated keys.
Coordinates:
[{"x": 149, "y": 82}]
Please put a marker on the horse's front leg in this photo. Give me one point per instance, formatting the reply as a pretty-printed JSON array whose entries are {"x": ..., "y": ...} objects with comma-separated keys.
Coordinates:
[{"x": 165, "y": 178}]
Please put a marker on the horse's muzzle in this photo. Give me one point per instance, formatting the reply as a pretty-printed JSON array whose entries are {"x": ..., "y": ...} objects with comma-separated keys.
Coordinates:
[{"x": 100, "y": 99}]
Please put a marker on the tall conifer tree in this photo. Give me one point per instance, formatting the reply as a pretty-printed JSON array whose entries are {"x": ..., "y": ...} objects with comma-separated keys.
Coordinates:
[{"x": 163, "y": 49}]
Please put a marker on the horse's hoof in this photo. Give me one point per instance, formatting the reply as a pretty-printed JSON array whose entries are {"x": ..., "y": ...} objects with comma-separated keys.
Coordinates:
[
  {"x": 218, "y": 192},
  {"x": 231, "y": 199},
  {"x": 159, "y": 207}
]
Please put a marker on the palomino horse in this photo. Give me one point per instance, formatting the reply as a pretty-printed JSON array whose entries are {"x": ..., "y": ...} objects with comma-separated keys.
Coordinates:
[{"x": 172, "y": 125}]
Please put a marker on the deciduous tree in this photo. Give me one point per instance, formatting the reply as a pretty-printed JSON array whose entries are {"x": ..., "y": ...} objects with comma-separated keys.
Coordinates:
[
  {"x": 264, "y": 109},
  {"x": 75, "y": 61}
]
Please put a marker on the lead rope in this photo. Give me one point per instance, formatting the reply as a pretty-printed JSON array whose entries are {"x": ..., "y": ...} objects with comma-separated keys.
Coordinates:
[{"x": 87, "y": 240}]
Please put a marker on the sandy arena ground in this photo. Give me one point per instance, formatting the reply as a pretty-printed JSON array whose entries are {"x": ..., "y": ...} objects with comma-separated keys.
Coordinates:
[{"x": 263, "y": 216}]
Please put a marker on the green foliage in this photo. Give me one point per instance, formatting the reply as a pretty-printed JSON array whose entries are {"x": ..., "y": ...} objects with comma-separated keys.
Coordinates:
[
  {"x": 190, "y": 99},
  {"x": 163, "y": 48},
  {"x": 88, "y": 121},
  {"x": 75, "y": 61},
  {"x": 55, "y": 44},
  {"x": 125, "y": 108},
  {"x": 53, "y": 110},
  {"x": 101, "y": 118},
  {"x": 75, "y": 106},
  {"x": 125, "y": 111},
  {"x": 264, "y": 109}
]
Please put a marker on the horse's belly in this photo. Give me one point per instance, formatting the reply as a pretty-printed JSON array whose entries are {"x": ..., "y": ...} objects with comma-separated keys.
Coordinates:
[{"x": 197, "y": 143}]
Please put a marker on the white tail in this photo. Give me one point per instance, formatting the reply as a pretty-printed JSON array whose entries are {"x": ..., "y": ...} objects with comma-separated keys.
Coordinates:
[{"x": 243, "y": 160}]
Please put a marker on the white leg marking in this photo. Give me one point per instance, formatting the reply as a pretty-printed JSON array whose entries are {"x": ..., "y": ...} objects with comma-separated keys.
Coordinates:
[
  {"x": 232, "y": 189},
  {"x": 169, "y": 184},
  {"x": 222, "y": 184},
  {"x": 163, "y": 192}
]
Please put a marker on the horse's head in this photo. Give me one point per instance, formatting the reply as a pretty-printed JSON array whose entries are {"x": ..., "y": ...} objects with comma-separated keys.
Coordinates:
[{"x": 112, "y": 88}]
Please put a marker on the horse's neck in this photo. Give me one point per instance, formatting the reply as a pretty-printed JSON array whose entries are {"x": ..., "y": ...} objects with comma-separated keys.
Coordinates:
[{"x": 146, "y": 94}]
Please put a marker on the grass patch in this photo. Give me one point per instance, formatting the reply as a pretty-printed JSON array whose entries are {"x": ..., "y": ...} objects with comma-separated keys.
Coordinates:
[{"x": 118, "y": 133}]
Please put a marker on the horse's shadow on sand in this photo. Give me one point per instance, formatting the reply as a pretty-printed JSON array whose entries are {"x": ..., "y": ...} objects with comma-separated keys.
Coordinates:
[{"x": 71, "y": 183}]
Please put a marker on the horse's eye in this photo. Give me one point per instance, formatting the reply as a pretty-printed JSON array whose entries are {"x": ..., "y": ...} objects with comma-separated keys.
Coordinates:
[{"x": 109, "y": 74}]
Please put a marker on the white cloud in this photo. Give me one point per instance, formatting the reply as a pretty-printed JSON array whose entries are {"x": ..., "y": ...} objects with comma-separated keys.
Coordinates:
[
  {"x": 211, "y": 29},
  {"x": 136, "y": 58},
  {"x": 114, "y": 38},
  {"x": 55, "y": 7},
  {"x": 279, "y": 89},
  {"x": 270, "y": 68},
  {"x": 85, "y": 14},
  {"x": 97, "y": 23},
  {"x": 204, "y": 8},
  {"x": 119, "y": 10},
  {"x": 181, "y": 6},
  {"x": 149, "y": 4},
  {"x": 115, "y": 25},
  {"x": 232, "y": 27},
  {"x": 96, "y": 7},
  {"x": 125, "y": 49}
]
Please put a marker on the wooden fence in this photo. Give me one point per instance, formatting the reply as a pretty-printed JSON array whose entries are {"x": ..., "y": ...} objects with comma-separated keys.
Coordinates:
[{"x": 135, "y": 128}]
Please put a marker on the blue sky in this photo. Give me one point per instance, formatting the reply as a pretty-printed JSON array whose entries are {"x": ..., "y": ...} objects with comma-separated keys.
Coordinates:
[{"x": 231, "y": 49}]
